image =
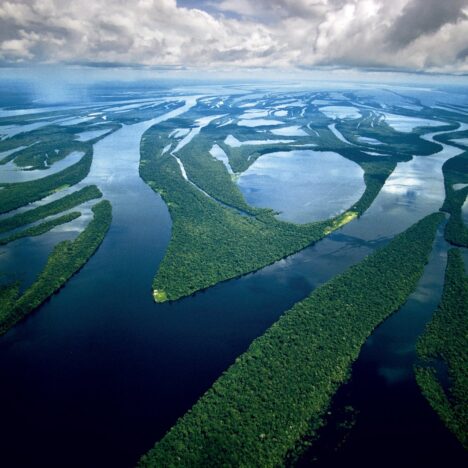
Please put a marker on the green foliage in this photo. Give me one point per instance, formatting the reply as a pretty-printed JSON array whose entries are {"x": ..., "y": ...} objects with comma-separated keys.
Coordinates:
[
  {"x": 268, "y": 399},
  {"x": 445, "y": 341},
  {"x": 210, "y": 242},
  {"x": 15, "y": 195},
  {"x": 456, "y": 171},
  {"x": 8, "y": 296},
  {"x": 41, "y": 148},
  {"x": 210, "y": 175},
  {"x": 375, "y": 175},
  {"x": 64, "y": 261},
  {"x": 42, "y": 154},
  {"x": 240, "y": 158},
  {"x": 41, "y": 228},
  {"x": 62, "y": 204},
  {"x": 398, "y": 144}
]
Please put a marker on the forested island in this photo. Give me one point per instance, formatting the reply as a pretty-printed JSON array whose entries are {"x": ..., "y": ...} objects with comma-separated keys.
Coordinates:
[
  {"x": 41, "y": 228},
  {"x": 456, "y": 189},
  {"x": 279, "y": 389},
  {"x": 52, "y": 208},
  {"x": 442, "y": 372},
  {"x": 15, "y": 195},
  {"x": 65, "y": 260},
  {"x": 218, "y": 237}
]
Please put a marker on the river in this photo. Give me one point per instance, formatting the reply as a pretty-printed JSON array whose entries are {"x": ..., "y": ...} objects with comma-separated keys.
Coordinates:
[{"x": 100, "y": 372}]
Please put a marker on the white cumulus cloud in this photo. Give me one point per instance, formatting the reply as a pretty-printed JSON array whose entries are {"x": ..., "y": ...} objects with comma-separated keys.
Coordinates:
[{"x": 399, "y": 34}]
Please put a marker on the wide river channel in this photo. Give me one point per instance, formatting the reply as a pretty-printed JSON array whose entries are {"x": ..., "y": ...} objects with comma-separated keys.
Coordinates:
[{"x": 100, "y": 372}]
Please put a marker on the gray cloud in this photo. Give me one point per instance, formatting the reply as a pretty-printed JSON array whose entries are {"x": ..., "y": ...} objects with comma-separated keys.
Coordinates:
[
  {"x": 276, "y": 10},
  {"x": 421, "y": 17},
  {"x": 422, "y": 35}
]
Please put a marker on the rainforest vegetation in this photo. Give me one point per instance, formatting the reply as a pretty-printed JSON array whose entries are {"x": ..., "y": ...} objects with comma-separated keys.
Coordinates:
[
  {"x": 42, "y": 228},
  {"x": 444, "y": 345},
  {"x": 15, "y": 195},
  {"x": 57, "y": 206},
  {"x": 64, "y": 261},
  {"x": 456, "y": 172},
  {"x": 42, "y": 147},
  {"x": 212, "y": 243},
  {"x": 259, "y": 408}
]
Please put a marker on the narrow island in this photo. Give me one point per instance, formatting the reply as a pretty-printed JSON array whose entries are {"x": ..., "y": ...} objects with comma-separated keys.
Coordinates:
[
  {"x": 280, "y": 388},
  {"x": 442, "y": 372},
  {"x": 64, "y": 261},
  {"x": 456, "y": 189},
  {"x": 16, "y": 195},
  {"x": 41, "y": 228},
  {"x": 65, "y": 203}
]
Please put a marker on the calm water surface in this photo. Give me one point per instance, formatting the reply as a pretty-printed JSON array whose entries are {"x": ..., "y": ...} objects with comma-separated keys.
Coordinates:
[
  {"x": 296, "y": 183},
  {"x": 393, "y": 421},
  {"x": 99, "y": 372}
]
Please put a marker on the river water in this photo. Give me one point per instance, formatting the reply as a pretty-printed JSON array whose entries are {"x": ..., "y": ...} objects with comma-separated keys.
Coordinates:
[
  {"x": 393, "y": 422},
  {"x": 100, "y": 372}
]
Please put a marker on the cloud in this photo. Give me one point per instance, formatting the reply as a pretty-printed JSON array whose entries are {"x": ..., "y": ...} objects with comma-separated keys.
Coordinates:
[
  {"x": 423, "y": 17},
  {"x": 422, "y": 35},
  {"x": 267, "y": 10}
]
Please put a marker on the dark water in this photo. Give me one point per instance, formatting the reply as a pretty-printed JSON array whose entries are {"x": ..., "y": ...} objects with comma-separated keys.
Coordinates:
[
  {"x": 99, "y": 372},
  {"x": 393, "y": 421}
]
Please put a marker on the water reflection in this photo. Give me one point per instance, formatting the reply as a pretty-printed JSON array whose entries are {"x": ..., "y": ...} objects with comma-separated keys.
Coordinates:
[
  {"x": 102, "y": 358},
  {"x": 11, "y": 173},
  {"x": 303, "y": 185}
]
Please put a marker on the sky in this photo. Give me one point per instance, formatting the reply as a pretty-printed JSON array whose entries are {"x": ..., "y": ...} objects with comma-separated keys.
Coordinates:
[{"x": 429, "y": 36}]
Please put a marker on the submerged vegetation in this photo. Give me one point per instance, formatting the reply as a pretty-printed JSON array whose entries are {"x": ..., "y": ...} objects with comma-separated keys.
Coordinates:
[
  {"x": 444, "y": 345},
  {"x": 282, "y": 385},
  {"x": 64, "y": 261}
]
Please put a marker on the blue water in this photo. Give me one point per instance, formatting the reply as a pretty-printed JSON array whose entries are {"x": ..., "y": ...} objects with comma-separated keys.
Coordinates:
[
  {"x": 392, "y": 418},
  {"x": 100, "y": 372},
  {"x": 296, "y": 183}
]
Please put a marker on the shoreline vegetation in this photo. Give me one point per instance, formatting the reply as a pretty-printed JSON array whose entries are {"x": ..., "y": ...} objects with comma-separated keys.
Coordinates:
[
  {"x": 211, "y": 242},
  {"x": 442, "y": 373},
  {"x": 57, "y": 206},
  {"x": 66, "y": 259},
  {"x": 16, "y": 195},
  {"x": 41, "y": 228},
  {"x": 280, "y": 388},
  {"x": 455, "y": 171}
]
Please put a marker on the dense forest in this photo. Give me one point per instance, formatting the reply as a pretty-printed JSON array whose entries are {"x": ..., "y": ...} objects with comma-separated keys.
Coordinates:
[
  {"x": 211, "y": 242},
  {"x": 211, "y": 175},
  {"x": 444, "y": 345},
  {"x": 216, "y": 234},
  {"x": 41, "y": 228},
  {"x": 64, "y": 261},
  {"x": 15, "y": 195},
  {"x": 456, "y": 172},
  {"x": 282, "y": 385},
  {"x": 48, "y": 209}
]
